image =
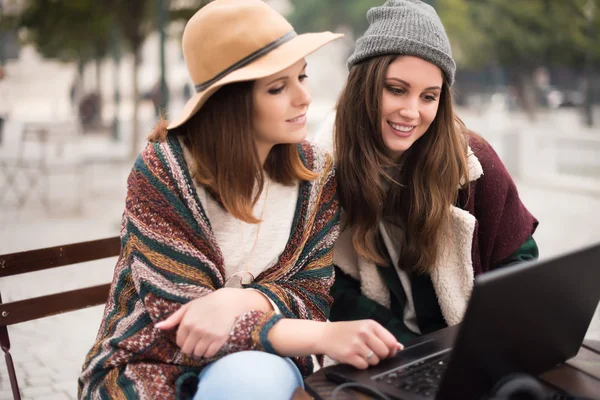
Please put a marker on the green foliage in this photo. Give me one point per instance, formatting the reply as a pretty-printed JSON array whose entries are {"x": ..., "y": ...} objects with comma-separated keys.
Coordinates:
[
  {"x": 526, "y": 33},
  {"x": 521, "y": 33},
  {"x": 327, "y": 15},
  {"x": 466, "y": 43},
  {"x": 81, "y": 30},
  {"x": 68, "y": 29},
  {"x": 183, "y": 13}
]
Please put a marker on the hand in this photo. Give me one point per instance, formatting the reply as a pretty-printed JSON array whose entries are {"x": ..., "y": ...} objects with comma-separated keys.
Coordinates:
[
  {"x": 204, "y": 323},
  {"x": 351, "y": 342}
]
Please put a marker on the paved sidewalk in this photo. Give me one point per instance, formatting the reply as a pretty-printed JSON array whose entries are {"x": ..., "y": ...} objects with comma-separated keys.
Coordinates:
[{"x": 49, "y": 352}]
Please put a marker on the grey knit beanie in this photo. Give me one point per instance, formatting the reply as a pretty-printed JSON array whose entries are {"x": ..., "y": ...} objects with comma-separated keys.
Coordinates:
[{"x": 406, "y": 27}]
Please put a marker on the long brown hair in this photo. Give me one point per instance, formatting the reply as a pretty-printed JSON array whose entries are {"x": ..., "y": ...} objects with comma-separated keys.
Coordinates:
[
  {"x": 220, "y": 138},
  {"x": 419, "y": 194}
]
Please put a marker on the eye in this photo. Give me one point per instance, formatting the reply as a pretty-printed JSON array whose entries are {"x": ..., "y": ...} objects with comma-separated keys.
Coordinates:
[
  {"x": 430, "y": 98},
  {"x": 276, "y": 90},
  {"x": 302, "y": 77},
  {"x": 395, "y": 90}
]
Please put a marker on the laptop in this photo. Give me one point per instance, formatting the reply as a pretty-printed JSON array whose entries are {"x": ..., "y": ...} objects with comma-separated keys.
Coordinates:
[{"x": 525, "y": 318}]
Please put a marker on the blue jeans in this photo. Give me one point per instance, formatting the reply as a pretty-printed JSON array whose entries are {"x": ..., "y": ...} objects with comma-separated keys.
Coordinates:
[{"x": 249, "y": 375}]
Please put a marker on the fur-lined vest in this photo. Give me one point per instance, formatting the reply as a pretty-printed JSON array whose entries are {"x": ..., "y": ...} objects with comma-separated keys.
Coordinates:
[{"x": 487, "y": 226}]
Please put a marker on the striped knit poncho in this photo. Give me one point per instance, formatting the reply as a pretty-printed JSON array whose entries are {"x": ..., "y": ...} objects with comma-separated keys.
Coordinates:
[{"x": 169, "y": 256}]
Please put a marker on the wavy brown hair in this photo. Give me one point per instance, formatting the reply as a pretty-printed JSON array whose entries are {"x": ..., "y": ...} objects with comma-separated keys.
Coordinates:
[
  {"x": 416, "y": 196},
  {"x": 220, "y": 137}
]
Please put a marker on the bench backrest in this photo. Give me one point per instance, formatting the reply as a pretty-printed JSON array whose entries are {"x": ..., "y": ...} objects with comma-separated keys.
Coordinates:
[{"x": 44, "y": 306}]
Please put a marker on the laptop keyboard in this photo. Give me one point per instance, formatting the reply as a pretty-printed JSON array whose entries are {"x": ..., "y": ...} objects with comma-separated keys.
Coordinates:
[{"x": 422, "y": 378}]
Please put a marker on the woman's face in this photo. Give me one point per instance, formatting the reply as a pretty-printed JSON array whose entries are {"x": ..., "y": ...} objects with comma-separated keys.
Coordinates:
[
  {"x": 410, "y": 102},
  {"x": 280, "y": 104}
]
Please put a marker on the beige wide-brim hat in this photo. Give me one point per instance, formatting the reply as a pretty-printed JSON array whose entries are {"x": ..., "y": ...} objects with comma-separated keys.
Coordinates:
[{"x": 230, "y": 41}]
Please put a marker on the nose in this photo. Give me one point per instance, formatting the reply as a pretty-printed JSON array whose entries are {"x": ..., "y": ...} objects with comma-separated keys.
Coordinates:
[
  {"x": 410, "y": 109},
  {"x": 302, "y": 97}
]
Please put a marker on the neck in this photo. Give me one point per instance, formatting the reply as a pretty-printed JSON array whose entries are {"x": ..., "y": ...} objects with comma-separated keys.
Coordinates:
[{"x": 263, "y": 150}]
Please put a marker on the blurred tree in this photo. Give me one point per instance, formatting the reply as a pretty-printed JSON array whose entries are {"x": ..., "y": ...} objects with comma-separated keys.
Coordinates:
[
  {"x": 135, "y": 20},
  {"x": 457, "y": 16},
  {"x": 184, "y": 10},
  {"x": 521, "y": 36},
  {"x": 82, "y": 30},
  {"x": 69, "y": 30},
  {"x": 320, "y": 15},
  {"x": 516, "y": 36},
  {"x": 534, "y": 32}
]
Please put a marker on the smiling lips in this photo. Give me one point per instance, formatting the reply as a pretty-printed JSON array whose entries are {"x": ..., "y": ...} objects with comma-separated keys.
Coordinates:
[
  {"x": 299, "y": 120},
  {"x": 402, "y": 130}
]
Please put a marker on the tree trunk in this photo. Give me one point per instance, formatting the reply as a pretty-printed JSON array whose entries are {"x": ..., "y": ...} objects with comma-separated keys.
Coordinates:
[
  {"x": 588, "y": 105},
  {"x": 134, "y": 123},
  {"x": 98, "y": 62},
  {"x": 99, "y": 76}
]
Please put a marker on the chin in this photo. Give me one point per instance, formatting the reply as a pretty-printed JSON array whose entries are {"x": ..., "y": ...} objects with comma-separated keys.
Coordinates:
[
  {"x": 298, "y": 137},
  {"x": 395, "y": 147}
]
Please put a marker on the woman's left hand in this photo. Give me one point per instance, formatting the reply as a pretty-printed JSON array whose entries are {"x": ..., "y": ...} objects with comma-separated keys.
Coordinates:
[{"x": 205, "y": 323}]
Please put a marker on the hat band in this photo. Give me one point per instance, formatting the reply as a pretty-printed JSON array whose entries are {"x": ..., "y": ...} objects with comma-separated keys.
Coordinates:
[{"x": 247, "y": 60}]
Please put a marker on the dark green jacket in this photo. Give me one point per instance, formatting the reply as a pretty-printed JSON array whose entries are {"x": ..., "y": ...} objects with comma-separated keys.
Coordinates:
[{"x": 350, "y": 304}]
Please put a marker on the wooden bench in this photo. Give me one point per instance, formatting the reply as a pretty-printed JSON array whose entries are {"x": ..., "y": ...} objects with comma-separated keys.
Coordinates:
[{"x": 44, "y": 306}]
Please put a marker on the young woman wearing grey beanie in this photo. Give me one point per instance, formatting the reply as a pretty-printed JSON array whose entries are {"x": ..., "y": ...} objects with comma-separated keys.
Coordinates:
[{"x": 427, "y": 204}]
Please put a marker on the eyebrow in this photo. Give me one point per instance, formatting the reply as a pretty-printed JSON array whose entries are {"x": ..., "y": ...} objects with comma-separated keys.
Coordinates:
[
  {"x": 408, "y": 84},
  {"x": 283, "y": 78}
]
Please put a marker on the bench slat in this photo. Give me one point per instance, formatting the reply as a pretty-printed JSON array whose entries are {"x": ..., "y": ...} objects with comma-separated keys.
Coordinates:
[
  {"x": 45, "y": 306},
  {"x": 52, "y": 257}
]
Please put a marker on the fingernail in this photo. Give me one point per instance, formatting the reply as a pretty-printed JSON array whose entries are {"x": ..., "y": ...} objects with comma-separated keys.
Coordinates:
[{"x": 159, "y": 325}]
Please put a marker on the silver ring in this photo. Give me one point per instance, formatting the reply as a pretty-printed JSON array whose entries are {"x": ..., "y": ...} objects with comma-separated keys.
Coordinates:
[{"x": 368, "y": 356}]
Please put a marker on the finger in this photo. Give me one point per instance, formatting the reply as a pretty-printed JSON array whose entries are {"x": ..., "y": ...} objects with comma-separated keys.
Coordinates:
[
  {"x": 387, "y": 338},
  {"x": 399, "y": 346},
  {"x": 357, "y": 362},
  {"x": 378, "y": 347},
  {"x": 214, "y": 348},
  {"x": 183, "y": 333},
  {"x": 373, "y": 358},
  {"x": 173, "y": 320},
  {"x": 199, "y": 350},
  {"x": 363, "y": 351},
  {"x": 393, "y": 352},
  {"x": 190, "y": 344}
]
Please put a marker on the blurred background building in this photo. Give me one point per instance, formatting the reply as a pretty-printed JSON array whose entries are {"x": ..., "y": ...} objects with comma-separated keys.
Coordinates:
[{"x": 82, "y": 81}]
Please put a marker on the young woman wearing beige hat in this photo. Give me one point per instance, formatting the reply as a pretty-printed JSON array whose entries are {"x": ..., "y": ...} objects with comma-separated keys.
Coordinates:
[
  {"x": 426, "y": 204},
  {"x": 228, "y": 231}
]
